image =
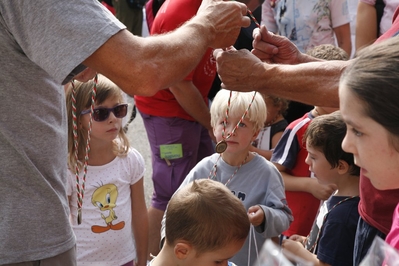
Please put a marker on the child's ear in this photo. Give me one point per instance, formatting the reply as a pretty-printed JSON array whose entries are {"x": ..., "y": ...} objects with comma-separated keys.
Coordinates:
[
  {"x": 182, "y": 249},
  {"x": 343, "y": 167}
]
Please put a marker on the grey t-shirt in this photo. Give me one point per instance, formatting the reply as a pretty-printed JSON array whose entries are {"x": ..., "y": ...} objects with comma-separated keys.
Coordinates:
[{"x": 41, "y": 42}]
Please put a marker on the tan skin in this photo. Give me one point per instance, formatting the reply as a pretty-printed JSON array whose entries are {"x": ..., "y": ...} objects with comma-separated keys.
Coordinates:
[
  {"x": 183, "y": 253},
  {"x": 140, "y": 222},
  {"x": 366, "y": 25},
  {"x": 343, "y": 35},
  {"x": 190, "y": 98},
  {"x": 218, "y": 21},
  {"x": 312, "y": 81}
]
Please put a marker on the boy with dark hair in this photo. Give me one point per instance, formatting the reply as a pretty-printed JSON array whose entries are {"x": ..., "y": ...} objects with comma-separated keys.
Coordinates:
[
  {"x": 303, "y": 192},
  {"x": 332, "y": 237}
]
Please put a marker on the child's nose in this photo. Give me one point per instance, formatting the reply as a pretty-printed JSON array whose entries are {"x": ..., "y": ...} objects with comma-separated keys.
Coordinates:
[
  {"x": 230, "y": 129},
  {"x": 112, "y": 116}
]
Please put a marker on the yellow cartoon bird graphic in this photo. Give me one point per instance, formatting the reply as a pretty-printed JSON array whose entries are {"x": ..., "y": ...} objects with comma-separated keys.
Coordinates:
[{"x": 105, "y": 198}]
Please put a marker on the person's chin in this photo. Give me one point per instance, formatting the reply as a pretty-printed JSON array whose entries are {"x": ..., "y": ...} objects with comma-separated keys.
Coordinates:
[{"x": 374, "y": 181}]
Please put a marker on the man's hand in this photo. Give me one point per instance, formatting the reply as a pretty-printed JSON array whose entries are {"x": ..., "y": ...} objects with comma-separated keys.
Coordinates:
[
  {"x": 273, "y": 48},
  {"x": 238, "y": 70},
  {"x": 224, "y": 19}
]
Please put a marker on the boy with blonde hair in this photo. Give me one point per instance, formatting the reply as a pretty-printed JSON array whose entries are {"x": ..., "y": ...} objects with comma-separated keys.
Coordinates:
[
  {"x": 236, "y": 118},
  {"x": 205, "y": 224}
]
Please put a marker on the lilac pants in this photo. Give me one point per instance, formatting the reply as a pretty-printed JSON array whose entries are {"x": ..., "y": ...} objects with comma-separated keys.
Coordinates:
[{"x": 196, "y": 144}]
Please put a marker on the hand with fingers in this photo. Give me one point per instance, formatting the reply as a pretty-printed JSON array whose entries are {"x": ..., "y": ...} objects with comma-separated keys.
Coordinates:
[
  {"x": 227, "y": 19},
  {"x": 273, "y": 48}
]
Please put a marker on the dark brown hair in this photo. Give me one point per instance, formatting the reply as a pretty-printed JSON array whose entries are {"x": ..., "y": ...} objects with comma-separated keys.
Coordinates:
[
  {"x": 326, "y": 133},
  {"x": 374, "y": 79}
]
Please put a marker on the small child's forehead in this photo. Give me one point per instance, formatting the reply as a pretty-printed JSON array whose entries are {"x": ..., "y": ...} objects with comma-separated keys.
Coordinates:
[
  {"x": 237, "y": 112},
  {"x": 112, "y": 97},
  {"x": 312, "y": 148}
]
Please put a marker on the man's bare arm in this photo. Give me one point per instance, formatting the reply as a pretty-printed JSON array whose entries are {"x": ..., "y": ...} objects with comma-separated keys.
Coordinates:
[
  {"x": 143, "y": 66},
  {"x": 277, "y": 67}
]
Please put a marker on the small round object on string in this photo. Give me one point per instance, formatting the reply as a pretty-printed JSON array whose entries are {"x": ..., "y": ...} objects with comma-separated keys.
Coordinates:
[{"x": 221, "y": 146}]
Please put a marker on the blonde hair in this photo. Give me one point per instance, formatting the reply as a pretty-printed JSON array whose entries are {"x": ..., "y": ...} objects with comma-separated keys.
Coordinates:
[
  {"x": 105, "y": 89},
  {"x": 239, "y": 103},
  {"x": 207, "y": 215}
]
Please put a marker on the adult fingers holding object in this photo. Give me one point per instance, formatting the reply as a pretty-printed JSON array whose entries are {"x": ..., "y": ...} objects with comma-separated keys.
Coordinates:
[
  {"x": 239, "y": 70},
  {"x": 228, "y": 17}
]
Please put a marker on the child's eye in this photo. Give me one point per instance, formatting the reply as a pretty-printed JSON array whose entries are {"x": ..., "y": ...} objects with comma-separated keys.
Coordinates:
[
  {"x": 241, "y": 124},
  {"x": 357, "y": 133}
]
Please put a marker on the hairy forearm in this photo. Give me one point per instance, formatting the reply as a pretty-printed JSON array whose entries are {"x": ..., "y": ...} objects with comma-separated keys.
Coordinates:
[
  {"x": 143, "y": 66},
  {"x": 314, "y": 83}
]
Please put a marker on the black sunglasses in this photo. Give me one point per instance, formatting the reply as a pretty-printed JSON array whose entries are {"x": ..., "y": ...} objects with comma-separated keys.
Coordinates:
[{"x": 100, "y": 114}]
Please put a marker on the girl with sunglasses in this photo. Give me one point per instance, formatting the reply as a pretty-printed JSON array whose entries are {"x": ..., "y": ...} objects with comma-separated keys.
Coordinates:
[{"x": 106, "y": 194}]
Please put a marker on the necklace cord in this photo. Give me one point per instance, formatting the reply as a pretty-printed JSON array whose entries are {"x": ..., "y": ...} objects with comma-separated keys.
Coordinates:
[
  {"x": 313, "y": 247},
  {"x": 81, "y": 188}
]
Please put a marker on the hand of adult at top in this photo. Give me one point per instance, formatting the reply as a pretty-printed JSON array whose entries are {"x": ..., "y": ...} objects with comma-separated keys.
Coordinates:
[
  {"x": 273, "y": 48},
  {"x": 226, "y": 18},
  {"x": 239, "y": 70}
]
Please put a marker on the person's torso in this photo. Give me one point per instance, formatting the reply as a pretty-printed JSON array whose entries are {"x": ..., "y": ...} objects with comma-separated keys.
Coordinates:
[
  {"x": 170, "y": 16},
  {"x": 37, "y": 55},
  {"x": 310, "y": 23},
  {"x": 105, "y": 234}
]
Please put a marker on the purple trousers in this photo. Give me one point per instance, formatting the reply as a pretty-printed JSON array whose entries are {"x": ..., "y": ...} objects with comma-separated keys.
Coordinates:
[{"x": 196, "y": 144}]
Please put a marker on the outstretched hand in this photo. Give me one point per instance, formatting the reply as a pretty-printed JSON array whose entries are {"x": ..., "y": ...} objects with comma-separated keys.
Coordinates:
[{"x": 273, "y": 48}]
